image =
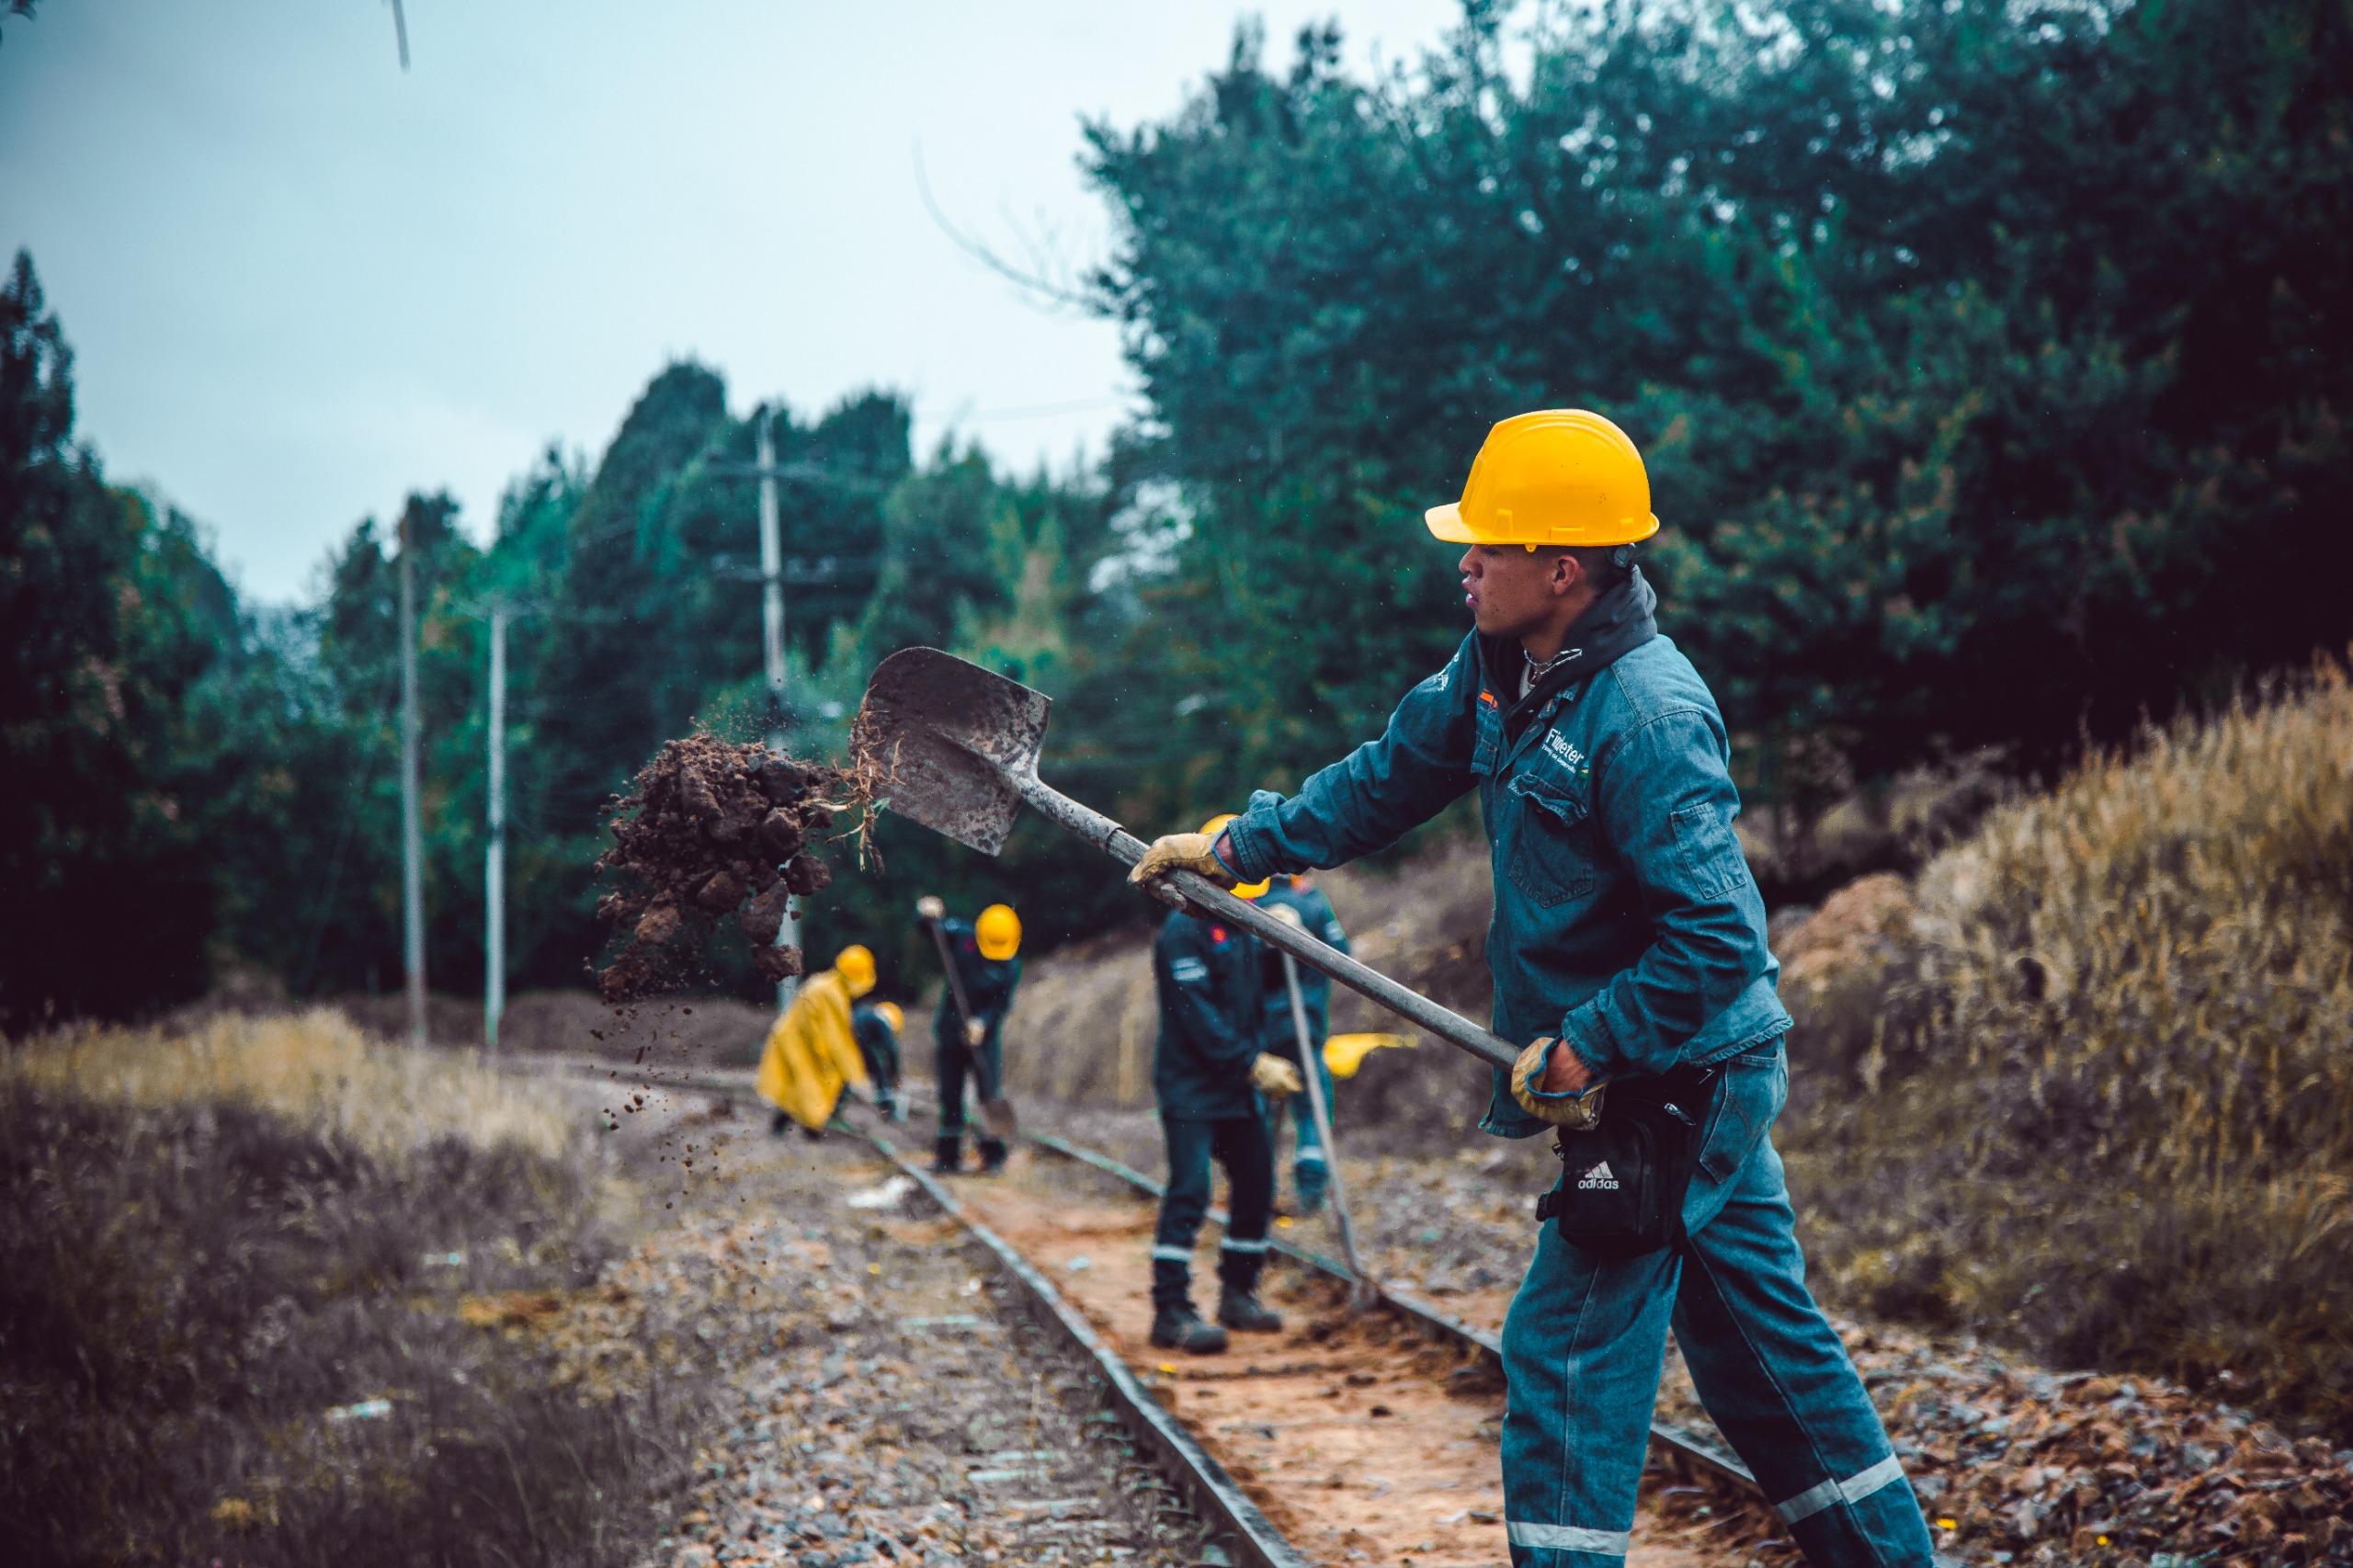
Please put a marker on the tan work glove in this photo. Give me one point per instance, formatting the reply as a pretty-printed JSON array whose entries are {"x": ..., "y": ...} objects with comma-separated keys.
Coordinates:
[
  {"x": 1580, "y": 1113},
  {"x": 1182, "y": 852},
  {"x": 1285, "y": 914},
  {"x": 975, "y": 1031},
  {"x": 930, "y": 908},
  {"x": 1273, "y": 1076}
]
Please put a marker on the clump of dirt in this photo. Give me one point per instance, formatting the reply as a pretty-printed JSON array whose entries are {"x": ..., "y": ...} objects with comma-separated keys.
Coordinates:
[{"x": 708, "y": 829}]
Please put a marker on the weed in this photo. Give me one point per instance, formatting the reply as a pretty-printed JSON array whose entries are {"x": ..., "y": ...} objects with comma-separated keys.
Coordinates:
[{"x": 233, "y": 1269}]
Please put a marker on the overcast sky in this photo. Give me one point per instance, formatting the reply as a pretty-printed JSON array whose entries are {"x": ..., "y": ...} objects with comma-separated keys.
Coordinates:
[{"x": 299, "y": 283}]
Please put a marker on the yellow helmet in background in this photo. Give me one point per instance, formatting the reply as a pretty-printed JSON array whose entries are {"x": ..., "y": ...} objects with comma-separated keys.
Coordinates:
[
  {"x": 1216, "y": 825},
  {"x": 891, "y": 1014},
  {"x": 998, "y": 932},
  {"x": 855, "y": 966},
  {"x": 1556, "y": 476}
]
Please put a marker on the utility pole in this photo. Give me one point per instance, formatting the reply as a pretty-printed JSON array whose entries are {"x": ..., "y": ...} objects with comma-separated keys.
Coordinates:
[
  {"x": 493, "y": 875},
  {"x": 788, "y": 931},
  {"x": 411, "y": 827}
]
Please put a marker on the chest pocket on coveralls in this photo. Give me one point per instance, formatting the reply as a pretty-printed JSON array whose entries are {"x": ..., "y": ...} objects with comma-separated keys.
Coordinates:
[{"x": 1553, "y": 849}]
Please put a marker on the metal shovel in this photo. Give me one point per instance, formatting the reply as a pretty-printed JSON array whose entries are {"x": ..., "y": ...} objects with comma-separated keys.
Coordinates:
[{"x": 949, "y": 745}]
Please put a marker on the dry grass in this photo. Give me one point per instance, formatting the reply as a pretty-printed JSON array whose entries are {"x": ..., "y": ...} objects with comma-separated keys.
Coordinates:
[
  {"x": 214, "y": 1245},
  {"x": 2090, "y": 1083},
  {"x": 316, "y": 1069}
]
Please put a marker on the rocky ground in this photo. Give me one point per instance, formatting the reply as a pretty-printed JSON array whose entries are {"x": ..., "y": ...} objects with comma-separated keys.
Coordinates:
[{"x": 880, "y": 1398}]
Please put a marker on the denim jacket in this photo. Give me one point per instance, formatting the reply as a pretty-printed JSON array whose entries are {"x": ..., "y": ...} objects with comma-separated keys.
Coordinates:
[{"x": 1626, "y": 921}]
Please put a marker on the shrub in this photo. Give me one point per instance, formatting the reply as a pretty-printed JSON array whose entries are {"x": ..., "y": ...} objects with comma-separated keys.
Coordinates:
[{"x": 2107, "y": 1103}]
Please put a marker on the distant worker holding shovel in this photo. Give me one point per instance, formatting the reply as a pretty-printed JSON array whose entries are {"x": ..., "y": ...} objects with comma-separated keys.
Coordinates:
[
  {"x": 1208, "y": 1068},
  {"x": 1310, "y": 1161},
  {"x": 812, "y": 1051},
  {"x": 1628, "y": 947},
  {"x": 968, "y": 1030}
]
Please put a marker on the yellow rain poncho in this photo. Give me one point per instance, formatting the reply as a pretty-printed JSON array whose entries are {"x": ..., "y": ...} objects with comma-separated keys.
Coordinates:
[{"x": 811, "y": 1053}]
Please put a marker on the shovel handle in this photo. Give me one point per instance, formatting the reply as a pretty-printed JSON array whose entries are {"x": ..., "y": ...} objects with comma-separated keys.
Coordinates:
[{"x": 1208, "y": 897}]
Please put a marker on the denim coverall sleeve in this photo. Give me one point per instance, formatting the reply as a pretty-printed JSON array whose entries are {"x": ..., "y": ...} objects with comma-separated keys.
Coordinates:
[
  {"x": 1664, "y": 803},
  {"x": 1192, "y": 1005},
  {"x": 1376, "y": 793}
]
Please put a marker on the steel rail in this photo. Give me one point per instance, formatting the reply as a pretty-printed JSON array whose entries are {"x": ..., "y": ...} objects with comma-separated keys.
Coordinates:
[
  {"x": 1204, "y": 1483},
  {"x": 1680, "y": 1442}
]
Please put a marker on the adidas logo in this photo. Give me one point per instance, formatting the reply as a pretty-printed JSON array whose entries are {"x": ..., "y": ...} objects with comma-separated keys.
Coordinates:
[{"x": 1597, "y": 1180}]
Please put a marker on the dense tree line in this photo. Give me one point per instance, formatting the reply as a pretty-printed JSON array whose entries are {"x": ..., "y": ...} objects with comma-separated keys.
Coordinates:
[{"x": 1985, "y": 356}]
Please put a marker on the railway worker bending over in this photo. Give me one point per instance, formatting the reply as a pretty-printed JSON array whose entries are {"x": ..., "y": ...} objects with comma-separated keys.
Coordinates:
[
  {"x": 1207, "y": 1073},
  {"x": 877, "y": 1025},
  {"x": 813, "y": 1050},
  {"x": 1628, "y": 946},
  {"x": 1279, "y": 1032}
]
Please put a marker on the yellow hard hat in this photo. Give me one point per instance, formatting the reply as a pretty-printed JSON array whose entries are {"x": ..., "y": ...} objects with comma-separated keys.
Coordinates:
[
  {"x": 891, "y": 1015},
  {"x": 1556, "y": 476},
  {"x": 855, "y": 966},
  {"x": 998, "y": 932},
  {"x": 1215, "y": 825}
]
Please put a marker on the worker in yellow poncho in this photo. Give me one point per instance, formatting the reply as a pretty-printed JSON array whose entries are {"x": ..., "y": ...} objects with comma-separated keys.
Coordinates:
[{"x": 811, "y": 1051}]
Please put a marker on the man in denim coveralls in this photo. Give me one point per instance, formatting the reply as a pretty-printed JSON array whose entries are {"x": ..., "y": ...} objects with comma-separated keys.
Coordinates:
[{"x": 1628, "y": 941}]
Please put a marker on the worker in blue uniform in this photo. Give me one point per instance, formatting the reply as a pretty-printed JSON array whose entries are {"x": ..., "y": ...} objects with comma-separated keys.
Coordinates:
[
  {"x": 1627, "y": 948},
  {"x": 1279, "y": 1032},
  {"x": 1207, "y": 1073},
  {"x": 985, "y": 954}
]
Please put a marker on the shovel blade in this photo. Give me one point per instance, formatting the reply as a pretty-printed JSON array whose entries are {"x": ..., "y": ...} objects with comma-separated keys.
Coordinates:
[{"x": 944, "y": 740}]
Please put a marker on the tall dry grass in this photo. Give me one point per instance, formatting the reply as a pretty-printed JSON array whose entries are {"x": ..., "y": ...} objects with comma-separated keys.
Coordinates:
[
  {"x": 214, "y": 1244},
  {"x": 316, "y": 1069},
  {"x": 2092, "y": 1083}
]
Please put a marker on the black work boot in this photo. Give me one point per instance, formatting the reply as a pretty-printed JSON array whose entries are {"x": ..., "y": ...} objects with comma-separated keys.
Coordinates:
[
  {"x": 1177, "y": 1328},
  {"x": 993, "y": 1153},
  {"x": 948, "y": 1155},
  {"x": 1242, "y": 1310}
]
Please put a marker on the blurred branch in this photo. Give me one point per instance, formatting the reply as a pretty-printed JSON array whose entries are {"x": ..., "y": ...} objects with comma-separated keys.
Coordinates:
[{"x": 1042, "y": 290}]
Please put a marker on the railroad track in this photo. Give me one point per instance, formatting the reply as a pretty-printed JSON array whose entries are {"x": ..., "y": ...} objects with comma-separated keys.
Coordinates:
[{"x": 1143, "y": 1402}]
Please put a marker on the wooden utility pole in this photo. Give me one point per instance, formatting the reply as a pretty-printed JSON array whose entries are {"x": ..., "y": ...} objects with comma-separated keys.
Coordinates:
[
  {"x": 493, "y": 874},
  {"x": 411, "y": 824}
]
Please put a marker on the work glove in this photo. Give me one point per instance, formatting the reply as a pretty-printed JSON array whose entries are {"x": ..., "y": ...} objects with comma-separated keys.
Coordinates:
[
  {"x": 975, "y": 1031},
  {"x": 1273, "y": 1077},
  {"x": 1284, "y": 913},
  {"x": 1183, "y": 852},
  {"x": 1527, "y": 1076},
  {"x": 930, "y": 908}
]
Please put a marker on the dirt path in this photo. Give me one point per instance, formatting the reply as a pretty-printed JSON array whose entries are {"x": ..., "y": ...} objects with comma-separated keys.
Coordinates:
[{"x": 1360, "y": 1441}]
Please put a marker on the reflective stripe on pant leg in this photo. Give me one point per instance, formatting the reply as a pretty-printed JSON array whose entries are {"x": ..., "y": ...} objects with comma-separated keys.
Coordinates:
[
  {"x": 1772, "y": 1372},
  {"x": 1854, "y": 1489},
  {"x": 1583, "y": 1346},
  {"x": 1568, "y": 1538},
  {"x": 1230, "y": 1245},
  {"x": 1171, "y": 1255}
]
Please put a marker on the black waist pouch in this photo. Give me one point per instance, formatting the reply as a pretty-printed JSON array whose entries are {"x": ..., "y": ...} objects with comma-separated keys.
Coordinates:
[{"x": 1622, "y": 1182}]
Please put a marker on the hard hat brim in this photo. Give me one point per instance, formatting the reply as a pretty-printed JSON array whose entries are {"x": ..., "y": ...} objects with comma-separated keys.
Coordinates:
[{"x": 1446, "y": 523}]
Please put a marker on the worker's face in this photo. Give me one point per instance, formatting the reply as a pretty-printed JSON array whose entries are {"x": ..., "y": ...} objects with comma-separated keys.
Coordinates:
[{"x": 1512, "y": 590}]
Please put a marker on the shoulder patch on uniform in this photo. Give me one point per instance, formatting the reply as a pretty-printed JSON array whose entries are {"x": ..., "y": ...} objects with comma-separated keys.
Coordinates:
[{"x": 1332, "y": 932}]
